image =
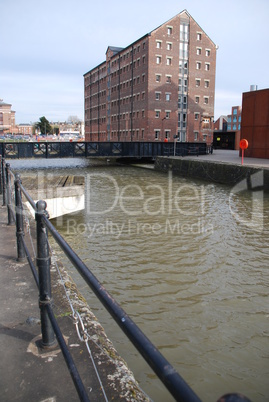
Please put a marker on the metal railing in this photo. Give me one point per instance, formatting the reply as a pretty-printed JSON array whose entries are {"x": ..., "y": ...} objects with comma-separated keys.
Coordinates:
[
  {"x": 134, "y": 149},
  {"x": 50, "y": 329}
]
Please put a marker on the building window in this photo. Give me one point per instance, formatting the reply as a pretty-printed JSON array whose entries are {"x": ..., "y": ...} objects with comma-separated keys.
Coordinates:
[
  {"x": 229, "y": 127},
  {"x": 184, "y": 32},
  {"x": 158, "y": 78},
  {"x": 198, "y": 65},
  {"x": 198, "y": 51},
  {"x": 183, "y": 50},
  {"x": 206, "y": 100},
  {"x": 196, "y": 135},
  {"x": 157, "y": 114},
  {"x": 197, "y": 99},
  {"x": 169, "y": 46},
  {"x": 183, "y": 67},
  {"x": 207, "y": 52},
  {"x": 234, "y": 111},
  {"x": 234, "y": 127},
  {"x": 168, "y": 79},
  {"x": 157, "y": 95},
  {"x": 167, "y": 97},
  {"x": 197, "y": 82},
  {"x": 182, "y": 136},
  {"x": 206, "y": 84},
  {"x": 167, "y": 114},
  {"x": 207, "y": 66},
  {"x": 157, "y": 134},
  {"x": 196, "y": 116},
  {"x": 143, "y": 113},
  {"x": 167, "y": 134},
  {"x": 169, "y": 30},
  {"x": 199, "y": 36},
  {"x": 168, "y": 61},
  {"x": 158, "y": 59},
  {"x": 158, "y": 44}
]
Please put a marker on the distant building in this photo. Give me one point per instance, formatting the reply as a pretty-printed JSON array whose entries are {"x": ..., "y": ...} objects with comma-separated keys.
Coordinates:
[
  {"x": 7, "y": 118},
  {"x": 72, "y": 128},
  {"x": 227, "y": 130},
  {"x": 160, "y": 86},
  {"x": 221, "y": 123},
  {"x": 24, "y": 129},
  {"x": 234, "y": 119},
  {"x": 255, "y": 122}
]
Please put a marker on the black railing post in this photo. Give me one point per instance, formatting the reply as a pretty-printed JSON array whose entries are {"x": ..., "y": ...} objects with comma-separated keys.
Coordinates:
[
  {"x": 43, "y": 264},
  {"x": 19, "y": 219},
  {"x": 11, "y": 220},
  {"x": 3, "y": 180},
  {"x": 1, "y": 188}
]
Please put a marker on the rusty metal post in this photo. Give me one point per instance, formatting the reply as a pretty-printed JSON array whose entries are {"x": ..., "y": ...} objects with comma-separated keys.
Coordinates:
[{"x": 43, "y": 264}]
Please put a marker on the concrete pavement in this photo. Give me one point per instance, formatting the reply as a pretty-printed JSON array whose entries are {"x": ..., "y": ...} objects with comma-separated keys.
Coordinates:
[{"x": 231, "y": 157}]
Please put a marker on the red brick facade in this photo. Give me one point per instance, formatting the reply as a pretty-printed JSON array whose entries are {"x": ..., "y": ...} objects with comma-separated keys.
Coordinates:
[
  {"x": 161, "y": 86},
  {"x": 255, "y": 123}
]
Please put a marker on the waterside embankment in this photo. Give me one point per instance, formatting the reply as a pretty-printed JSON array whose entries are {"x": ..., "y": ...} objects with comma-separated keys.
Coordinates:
[{"x": 223, "y": 167}]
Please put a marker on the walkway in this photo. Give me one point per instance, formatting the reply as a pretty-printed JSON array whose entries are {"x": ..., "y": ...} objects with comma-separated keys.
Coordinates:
[
  {"x": 230, "y": 156},
  {"x": 31, "y": 374}
]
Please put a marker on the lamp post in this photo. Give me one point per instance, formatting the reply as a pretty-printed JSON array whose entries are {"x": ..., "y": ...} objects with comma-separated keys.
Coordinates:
[{"x": 164, "y": 118}]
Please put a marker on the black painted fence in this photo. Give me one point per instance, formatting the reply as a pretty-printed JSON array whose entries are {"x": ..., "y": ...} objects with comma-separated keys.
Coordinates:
[{"x": 100, "y": 149}]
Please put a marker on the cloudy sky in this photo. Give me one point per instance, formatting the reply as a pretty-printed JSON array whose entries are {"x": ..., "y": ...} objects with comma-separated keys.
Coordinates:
[{"x": 47, "y": 45}]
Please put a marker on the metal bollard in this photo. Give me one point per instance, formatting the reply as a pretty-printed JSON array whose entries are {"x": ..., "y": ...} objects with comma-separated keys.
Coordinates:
[
  {"x": 3, "y": 181},
  {"x": 19, "y": 219},
  {"x": 10, "y": 215},
  {"x": 43, "y": 264}
]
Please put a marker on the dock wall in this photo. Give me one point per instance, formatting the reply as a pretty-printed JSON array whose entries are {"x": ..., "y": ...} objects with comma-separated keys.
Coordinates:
[{"x": 217, "y": 172}]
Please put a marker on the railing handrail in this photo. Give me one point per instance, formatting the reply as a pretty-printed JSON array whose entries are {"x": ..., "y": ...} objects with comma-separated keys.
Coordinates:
[
  {"x": 117, "y": 149},
  {"x": 28, "y": 197},
  {"x": 163, "y": 369},
  {"x": 175, "y": 384}
]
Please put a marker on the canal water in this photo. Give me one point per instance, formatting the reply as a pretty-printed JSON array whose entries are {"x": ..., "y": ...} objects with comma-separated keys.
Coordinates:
[{"x": 187, "y": 260}]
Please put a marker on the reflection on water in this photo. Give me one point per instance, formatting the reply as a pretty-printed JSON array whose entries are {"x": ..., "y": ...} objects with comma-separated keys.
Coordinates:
[{"x": 183, "y": 261}]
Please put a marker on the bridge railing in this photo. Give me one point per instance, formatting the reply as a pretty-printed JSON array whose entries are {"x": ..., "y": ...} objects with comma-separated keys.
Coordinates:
[
  {"x": 175, "y": 384},
  {"x": 133, "y": 149}
]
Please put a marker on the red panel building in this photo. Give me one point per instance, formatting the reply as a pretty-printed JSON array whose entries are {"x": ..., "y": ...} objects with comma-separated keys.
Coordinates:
[
  {"x": 160, "y": 86},
  {"x": 255, "y": 123}
]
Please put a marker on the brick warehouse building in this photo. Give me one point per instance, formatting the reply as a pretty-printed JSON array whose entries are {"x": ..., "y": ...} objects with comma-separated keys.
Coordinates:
[{"x": 160, "y": 86}]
